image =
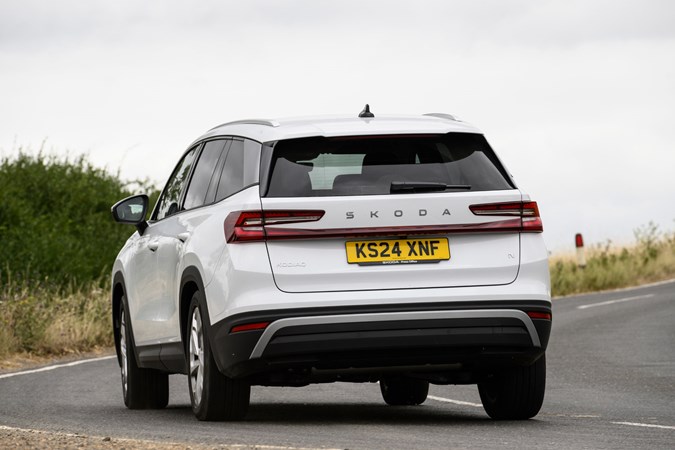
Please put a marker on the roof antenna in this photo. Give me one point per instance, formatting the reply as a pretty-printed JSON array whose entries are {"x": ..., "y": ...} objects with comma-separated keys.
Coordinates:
[{"x": 366, "y": 112}]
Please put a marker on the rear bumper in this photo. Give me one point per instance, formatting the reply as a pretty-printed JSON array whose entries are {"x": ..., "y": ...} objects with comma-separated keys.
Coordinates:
[{"x": 328, "y": 344}]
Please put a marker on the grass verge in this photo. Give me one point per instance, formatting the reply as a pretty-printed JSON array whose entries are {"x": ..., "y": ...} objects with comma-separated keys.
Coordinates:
[
  {"x": 651, "y": 258},
  {"x": 42, "y": 319}
]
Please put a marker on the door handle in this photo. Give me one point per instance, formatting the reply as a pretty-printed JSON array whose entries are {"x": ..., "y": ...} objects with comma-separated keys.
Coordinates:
[
  {"x": 183, "y": 236},
  {"x": 154, "y": 245}
]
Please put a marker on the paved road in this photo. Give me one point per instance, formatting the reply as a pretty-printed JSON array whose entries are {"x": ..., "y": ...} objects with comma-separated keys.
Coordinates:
[{"x": 611, "y": 384}]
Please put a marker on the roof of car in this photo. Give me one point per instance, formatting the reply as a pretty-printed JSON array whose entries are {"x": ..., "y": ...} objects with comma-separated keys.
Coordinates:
[{"x": 264, "y": 130}]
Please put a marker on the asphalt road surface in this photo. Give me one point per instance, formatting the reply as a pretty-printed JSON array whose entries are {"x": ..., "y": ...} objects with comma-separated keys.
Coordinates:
[{"x": 611, "y": 384}]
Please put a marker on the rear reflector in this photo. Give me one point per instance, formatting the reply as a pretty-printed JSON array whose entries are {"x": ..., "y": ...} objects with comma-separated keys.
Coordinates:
[
  {"x": 530, "y": 221},
  {"x": 539, "y": 315},
  {"x": 249, "y": 327},
  {"x": 247, "y": 226}
]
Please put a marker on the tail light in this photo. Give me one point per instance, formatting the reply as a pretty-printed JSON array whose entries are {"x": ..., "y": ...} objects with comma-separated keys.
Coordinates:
[
  {"x": 249, "y": 327},
  {"x": 248, "y": 226},
  {"x": 527, "y": 213},
  {"x": 539, "y": 315}
]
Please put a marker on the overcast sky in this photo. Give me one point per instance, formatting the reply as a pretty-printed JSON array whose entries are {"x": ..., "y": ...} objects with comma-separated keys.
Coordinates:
[{"x": 577, "y": 97}]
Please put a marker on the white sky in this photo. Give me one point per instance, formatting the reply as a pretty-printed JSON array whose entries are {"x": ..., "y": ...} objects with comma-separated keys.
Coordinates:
[{"x": 577, "y": 97}]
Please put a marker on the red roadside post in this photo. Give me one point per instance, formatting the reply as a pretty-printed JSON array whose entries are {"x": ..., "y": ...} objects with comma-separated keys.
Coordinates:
[{"x": 581, "y": 256}]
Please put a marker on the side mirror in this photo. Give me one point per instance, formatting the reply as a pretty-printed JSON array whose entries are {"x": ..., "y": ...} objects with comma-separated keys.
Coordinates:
[{"x": 132, "y": 210}]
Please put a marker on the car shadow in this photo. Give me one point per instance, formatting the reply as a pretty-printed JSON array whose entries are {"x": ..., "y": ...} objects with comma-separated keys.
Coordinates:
[{"x": 356, "y": 414}]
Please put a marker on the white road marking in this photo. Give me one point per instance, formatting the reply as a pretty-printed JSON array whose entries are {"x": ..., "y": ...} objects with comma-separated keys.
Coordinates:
[
  {"x": 618, "y": 300},
  {"x": 454, "y": 402},
  {"x": 646, "y": 425},
  {"x": 56, "y": 366},
  {"x": 573, "y": 416}
]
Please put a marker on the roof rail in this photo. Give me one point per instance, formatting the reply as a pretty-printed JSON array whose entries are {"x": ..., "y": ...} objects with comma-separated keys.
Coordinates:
[
  {"x": 443, "y": 116},
  {"x": 265, "y": 122}
]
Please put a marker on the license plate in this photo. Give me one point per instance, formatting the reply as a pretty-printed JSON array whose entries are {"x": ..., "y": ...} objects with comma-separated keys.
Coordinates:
[{"x": 397, "y": 251}]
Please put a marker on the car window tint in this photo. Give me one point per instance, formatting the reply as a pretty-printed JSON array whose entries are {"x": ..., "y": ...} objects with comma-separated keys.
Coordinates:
[
  {"x": 203, "y": 174},
  {"x": 213, "y": 186},
  {"x": 321, "y": 166},
  {"x": 232, "y": 178},
  {"x": 170, "y": 200},
  {"x": 252, "y": 151}
]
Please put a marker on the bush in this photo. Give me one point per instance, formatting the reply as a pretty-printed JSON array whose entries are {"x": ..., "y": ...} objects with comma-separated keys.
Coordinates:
[
  {"x": 58, "y": 245},
  {"x": 55, "y": 220}
]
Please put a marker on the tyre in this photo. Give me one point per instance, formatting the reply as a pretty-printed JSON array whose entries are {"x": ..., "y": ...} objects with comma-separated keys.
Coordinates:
[
  {"x": 141, "y": 388},
  {"x": 404, "y": 391},
  {"x": 213, "y": 395},
  {"x": 518, "y": 395}
]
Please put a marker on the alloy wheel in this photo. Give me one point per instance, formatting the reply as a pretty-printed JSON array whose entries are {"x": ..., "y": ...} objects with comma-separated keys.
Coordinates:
[
  {"x": 196, "y": 352},
  {"x": 123, "y": 351}
]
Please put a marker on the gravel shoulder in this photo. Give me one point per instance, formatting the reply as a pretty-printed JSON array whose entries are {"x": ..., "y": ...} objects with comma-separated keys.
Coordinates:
[{"x": 36, "y": 439}]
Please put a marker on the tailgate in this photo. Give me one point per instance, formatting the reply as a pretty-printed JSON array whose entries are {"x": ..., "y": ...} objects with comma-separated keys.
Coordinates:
[{"x": 423, "y": 226}]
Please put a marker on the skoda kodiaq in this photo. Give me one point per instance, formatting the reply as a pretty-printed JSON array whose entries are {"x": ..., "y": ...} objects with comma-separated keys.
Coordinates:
[{"x": 393, "y": 249}]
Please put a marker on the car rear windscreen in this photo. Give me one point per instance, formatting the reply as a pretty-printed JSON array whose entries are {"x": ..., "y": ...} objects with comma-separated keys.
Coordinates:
[{"x": 376, "y": 165}]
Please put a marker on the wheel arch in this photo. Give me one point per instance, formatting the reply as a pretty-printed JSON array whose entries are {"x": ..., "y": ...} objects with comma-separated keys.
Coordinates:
[
  {"x": 191, "y": 282},
  {"x": 117, "y": 297}
]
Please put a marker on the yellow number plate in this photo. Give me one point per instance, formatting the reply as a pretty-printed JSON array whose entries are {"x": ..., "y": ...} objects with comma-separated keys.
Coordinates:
[{"x": 398, "y": 251}]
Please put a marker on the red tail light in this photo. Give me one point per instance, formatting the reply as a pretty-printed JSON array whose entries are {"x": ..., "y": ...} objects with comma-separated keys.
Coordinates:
[
  {"x": 249, "y": 327},
  {"x": 539, "y": 315},
  {"x": 247, "y": 226},
  {"x": 528, "y": 220}
]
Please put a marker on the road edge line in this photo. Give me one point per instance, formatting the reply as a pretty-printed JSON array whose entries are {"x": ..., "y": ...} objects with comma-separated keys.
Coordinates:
[
  {"x": 55, "y": 366},
  {"x": 617, "y": 300}
]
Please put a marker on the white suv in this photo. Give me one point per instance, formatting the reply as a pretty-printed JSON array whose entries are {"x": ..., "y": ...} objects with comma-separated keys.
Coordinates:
[{"x": 395, "y": 250}]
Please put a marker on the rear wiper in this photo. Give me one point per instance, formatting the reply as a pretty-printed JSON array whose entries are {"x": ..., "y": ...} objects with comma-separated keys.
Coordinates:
[{"x": 422, "y": 186}]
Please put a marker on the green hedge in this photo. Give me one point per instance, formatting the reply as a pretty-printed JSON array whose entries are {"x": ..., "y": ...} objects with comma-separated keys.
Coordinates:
[{"x": 55, "y": 222}]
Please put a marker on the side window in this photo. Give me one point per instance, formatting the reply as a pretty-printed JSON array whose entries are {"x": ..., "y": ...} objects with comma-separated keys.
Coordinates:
[
  {"x": 204, "y": 174},
  {"x": 213, "y": 187},
  {"x": 241, "y": 168},
  {"x": 252, "y": 151},
  {"x": 170, "y": 200},
  {"x": 232, "y": 177}
]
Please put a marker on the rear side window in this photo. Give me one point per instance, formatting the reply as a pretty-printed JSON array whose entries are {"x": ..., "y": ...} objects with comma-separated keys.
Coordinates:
[
  {"x": 366, "y": 165},
  {"x": 240, "y": 169}
]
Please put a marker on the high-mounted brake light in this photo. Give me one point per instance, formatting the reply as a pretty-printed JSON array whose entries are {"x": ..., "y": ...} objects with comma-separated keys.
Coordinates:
[
  {"x": 528, "y": 220},
  {"x": 248, "y": 226}
]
